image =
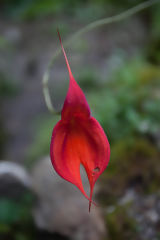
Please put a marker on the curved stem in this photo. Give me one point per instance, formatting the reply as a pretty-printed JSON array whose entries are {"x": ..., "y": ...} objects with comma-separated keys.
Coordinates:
[{"x": 88, "y": 28}]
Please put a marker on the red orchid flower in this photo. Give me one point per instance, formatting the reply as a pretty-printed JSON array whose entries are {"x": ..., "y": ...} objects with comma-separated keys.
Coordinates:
[{"x": 78, "y": 139}]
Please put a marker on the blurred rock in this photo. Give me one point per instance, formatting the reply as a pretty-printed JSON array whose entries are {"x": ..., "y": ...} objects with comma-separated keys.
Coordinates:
[
  {"x": 157, "y": 138},
  {"x": 146, "y": 211},
  {"x": 13, "y": 35},
  {"x": 62, "y": 208},
  {"x": 14, "y": 180},
  {"x": 134, "y": 216}
]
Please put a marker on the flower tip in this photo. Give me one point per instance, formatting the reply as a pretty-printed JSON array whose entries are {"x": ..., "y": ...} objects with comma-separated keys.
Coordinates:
[
  {"x": 90, "y": 198},
  {"x": 90, "y": 206},
  {"x": 69, "y": 69},
  {"x": 59, "y": 36}
]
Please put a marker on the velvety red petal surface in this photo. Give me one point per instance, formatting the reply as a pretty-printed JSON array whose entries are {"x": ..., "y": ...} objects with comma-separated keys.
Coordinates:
[{"x": 78, "y": 139}]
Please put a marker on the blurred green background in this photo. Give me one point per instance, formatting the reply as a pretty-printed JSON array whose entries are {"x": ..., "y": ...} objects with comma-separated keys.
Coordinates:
[{"x": 118, "y": 68}]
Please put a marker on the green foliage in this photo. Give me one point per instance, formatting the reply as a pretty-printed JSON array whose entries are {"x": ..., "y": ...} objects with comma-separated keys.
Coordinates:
[
  {"x": 127, "y": 106},
  {"x": 15, "y": 218},
  {"x": 7, "y": 87},
  {"x": 31, "y": 9},
  {"x": 122, "y": 3},
  {"x": 12, "y": 211},
  {"x": 89, "y": 10},
  {"x": 41, "y": 9},
  {"x": 88, "y": 80},
  {"x": 155, "y": 21},
  {"x": 129, "y": 103}
]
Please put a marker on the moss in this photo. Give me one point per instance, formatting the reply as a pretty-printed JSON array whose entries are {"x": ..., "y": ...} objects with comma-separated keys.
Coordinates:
[
  {"x": 149, "y": 74},
  {"x": 134, "y": 163},
  {"x": 120, "y": 225}
]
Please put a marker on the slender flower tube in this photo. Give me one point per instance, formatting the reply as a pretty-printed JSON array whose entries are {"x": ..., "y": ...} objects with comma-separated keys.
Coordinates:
[{"x": 78, "y": 139}]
